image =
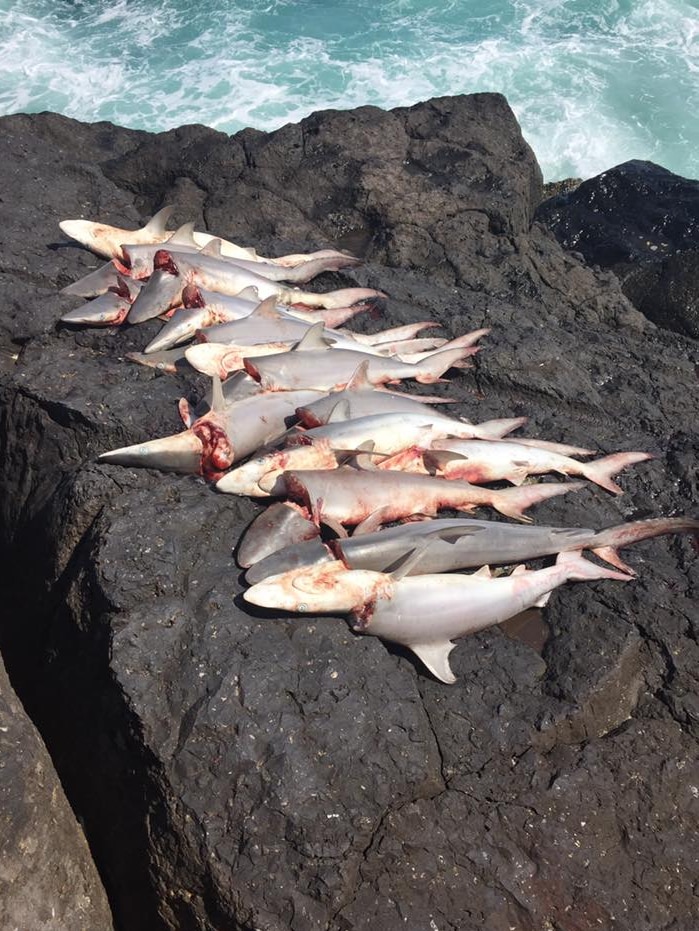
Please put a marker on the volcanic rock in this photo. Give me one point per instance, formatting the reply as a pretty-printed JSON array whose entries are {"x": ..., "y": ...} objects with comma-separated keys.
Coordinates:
[
  {"x": 48, "y": 881},
  {"x": 642, "y": 222},
  {"x": 241, "y": 770}
]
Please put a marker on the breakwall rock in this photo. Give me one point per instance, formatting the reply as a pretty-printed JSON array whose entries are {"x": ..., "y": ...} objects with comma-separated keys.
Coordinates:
[{"x": 242, "y": 771}]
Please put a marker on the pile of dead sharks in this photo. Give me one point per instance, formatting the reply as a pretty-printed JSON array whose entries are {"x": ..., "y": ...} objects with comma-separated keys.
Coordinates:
[{"x": 305, "y": 402}]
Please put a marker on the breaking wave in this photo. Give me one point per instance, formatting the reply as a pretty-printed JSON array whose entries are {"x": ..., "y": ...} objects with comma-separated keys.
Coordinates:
[{"x": 592, "y": 83}]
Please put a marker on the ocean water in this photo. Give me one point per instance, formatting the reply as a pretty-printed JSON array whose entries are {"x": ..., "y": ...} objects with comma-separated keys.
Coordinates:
[{"x": 592, "y": 82}]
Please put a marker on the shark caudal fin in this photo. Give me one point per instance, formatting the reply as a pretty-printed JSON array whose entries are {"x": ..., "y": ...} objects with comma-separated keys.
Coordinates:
[
  {"x": 606, "y": 543},
  {"x": 346, "y": 297},
  {"x": 579, "y": 569},
  {"x": 497, "y": 429},
  {"x": 394, "y": 334},
  {"x": 601, "y": 470},
  {"x": 513, "y": 502},
  {"x": 430, "y": 369}
]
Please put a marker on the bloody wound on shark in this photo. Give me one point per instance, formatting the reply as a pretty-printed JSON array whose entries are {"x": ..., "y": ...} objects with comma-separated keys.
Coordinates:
[{"x": 306, "y": 401}]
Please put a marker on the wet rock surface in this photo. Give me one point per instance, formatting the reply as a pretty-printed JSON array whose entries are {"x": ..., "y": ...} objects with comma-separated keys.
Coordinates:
[
  {"x": 238, "y": 770},
  {"x": 642, "y": 222}
]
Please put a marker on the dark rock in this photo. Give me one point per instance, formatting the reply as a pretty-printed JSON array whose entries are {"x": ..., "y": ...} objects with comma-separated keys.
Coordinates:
[
  {"x": 239, "y": 770},
  {"x": 642, "y": 222},
  {"x": 48, "y": 881},
  {"x": 565, "y": 186}
]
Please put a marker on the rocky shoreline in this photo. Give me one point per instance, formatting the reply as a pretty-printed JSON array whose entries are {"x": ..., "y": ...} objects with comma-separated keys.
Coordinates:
[{"x": 240, "y": 771}]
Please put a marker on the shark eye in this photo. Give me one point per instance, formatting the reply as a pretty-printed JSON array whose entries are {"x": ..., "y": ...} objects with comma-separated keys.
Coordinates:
[{"x": 302, "y": 607}]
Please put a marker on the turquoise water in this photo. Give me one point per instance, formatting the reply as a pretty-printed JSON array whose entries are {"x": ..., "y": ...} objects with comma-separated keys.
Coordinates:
[{"x": 592, "y": 83}]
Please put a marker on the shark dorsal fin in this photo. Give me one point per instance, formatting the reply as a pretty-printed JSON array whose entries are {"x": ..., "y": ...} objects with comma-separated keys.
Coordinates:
[
  {"x": 183, "y": 235},
  {"x": 483, "y": 572},
  {"x": 266, "y": 310},
  {"x": 157, "y": 223},
  {"x": 453, "y": 534},
  {"x": 212, "y": 248},
  {"x": 360, "y": 378},
  {"x": 217, "y": 400},
  {"x": 436, "y": 657},
  {"x": 312, "y": 339}
]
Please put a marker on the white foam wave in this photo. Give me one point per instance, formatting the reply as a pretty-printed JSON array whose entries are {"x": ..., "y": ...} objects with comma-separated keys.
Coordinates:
[{"x": 614, "y": 81}]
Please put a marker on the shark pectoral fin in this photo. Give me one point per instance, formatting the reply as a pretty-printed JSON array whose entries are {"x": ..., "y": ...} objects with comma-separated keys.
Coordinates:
[
  {"x": 519, "y": 474},
  {"x": 218, "y": 402},
  {"x": 340, "y": 413},
  {"x": 406, "y": 563},
  {"x": 185, "y": 412},
  {"x": 363, "y": 457},
  {"x": 436, "y": 459},
  {"x": 372, "y": 522},
  {"x": 157, "y": 223},
  {"x": 313, "y": 339},
  {"x": 436, "y": 657},
  {"x": 336, "y": 527}
]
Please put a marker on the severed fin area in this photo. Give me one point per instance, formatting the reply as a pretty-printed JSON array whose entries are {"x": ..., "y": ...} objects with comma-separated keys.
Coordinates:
[
  {"x": 181, "y": 452},
  {"x": 279, "y": 526},
  {"x": 435, "y": 657}
]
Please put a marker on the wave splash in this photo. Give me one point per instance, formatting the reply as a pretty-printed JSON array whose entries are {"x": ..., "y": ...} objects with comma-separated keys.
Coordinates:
[{"x": 592, "y": 84}]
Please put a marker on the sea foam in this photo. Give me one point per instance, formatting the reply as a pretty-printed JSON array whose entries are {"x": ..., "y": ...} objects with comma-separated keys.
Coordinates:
[{"x": 592, "y": 84}]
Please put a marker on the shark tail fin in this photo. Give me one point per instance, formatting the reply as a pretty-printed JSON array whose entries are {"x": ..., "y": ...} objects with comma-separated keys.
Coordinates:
[
  {"x": 601, "y": 470},
  {"x": 579, "y": 569}
]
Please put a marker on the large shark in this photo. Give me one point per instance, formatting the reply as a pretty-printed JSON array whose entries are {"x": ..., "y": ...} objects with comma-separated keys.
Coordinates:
[{"x": 424, "y": 613}]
